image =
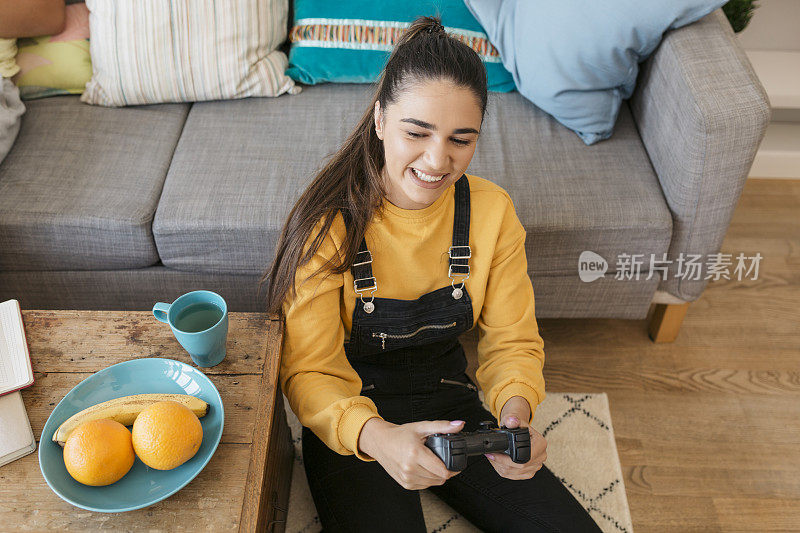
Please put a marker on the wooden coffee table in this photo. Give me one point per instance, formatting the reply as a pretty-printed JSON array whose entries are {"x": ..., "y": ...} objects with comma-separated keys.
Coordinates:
[{"x": 245, "y": 486}]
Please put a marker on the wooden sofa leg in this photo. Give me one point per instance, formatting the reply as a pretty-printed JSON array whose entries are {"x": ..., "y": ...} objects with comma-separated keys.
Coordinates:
[{"x": 665, "y": 321}]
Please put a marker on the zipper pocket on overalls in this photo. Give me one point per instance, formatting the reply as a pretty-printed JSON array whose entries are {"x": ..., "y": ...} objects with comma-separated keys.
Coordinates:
[
  {"x": 384, "y": 336},
  {"x": 470, "y": 386}
]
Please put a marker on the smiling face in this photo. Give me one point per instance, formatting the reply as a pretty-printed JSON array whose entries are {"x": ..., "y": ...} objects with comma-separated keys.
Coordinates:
[{"x": 429, "y": 135}]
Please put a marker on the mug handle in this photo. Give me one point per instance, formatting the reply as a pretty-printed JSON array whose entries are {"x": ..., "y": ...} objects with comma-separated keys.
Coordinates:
[{"x": 160, "y": 311}]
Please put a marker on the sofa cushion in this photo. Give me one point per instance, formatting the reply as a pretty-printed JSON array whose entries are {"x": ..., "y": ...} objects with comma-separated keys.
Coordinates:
[
  {"x": 51, "y": 65},
  {"x": 186, "y": 51},
  {"x": 240, "y": 166},
  {"x": 570, "y": 197},
  {"x": 350, "y": 42},
  {"x": 579, "y": 60},
  {"x": 79, "y": 188}
]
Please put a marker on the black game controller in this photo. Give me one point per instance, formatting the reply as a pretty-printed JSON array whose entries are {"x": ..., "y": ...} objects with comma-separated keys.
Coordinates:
[{"x": 454, "y": 448}]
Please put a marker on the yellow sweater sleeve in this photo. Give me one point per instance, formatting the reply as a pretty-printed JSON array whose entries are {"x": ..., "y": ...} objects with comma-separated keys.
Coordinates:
[
  {"x": 510, "y": 349},
  {"x": 321, "y": 386}
]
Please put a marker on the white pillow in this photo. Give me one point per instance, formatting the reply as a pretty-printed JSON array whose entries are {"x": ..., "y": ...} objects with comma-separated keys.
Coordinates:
[{"x": 153, "y": 51}]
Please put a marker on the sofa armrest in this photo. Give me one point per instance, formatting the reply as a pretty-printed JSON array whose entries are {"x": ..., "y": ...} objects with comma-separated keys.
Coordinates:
[{"x": 701, "y": 113}]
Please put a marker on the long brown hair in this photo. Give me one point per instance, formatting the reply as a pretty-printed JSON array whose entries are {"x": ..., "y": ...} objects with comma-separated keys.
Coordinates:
[{"x": 351, "y": 181}]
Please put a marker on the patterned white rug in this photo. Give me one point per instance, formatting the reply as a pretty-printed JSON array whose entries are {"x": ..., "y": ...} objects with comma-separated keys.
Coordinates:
[{"x": 581, "y": 452}]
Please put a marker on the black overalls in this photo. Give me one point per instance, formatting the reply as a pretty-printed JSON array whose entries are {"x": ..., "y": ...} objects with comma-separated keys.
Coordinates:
[{"x": 413, "y": 367}]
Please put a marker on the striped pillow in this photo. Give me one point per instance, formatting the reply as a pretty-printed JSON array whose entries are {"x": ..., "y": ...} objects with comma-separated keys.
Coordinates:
[
  {"x": 349, "y": 41},
  {"x": 153, "y": 51}
]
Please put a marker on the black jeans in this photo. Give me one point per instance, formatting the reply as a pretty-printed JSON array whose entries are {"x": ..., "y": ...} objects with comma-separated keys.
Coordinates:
[{"x": 352, "y": 495}]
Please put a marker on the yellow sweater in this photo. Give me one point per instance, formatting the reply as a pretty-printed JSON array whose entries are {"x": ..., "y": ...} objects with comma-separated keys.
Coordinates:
[{"x": 409, "y": 250}]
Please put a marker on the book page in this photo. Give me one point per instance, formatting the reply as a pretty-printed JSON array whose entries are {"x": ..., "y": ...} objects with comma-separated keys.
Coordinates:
[
  {"x": 6, "y": 371},
  {"x": 16, "y": 436},
  {"x": 15, "y": 370}
]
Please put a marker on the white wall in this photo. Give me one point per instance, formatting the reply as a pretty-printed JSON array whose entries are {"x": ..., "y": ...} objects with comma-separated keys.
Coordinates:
[
  {"x": 775, "y": 26},
  {"x": 772, "y": 41}
]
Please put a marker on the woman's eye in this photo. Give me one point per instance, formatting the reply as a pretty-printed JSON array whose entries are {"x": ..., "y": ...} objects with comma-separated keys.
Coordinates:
[{"x": 415, "y": 135}]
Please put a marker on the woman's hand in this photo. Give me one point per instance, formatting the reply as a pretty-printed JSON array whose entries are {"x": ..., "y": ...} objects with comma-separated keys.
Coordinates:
[
  {"x": 401, "y": 450},
  {"x": 515, "y": 413}
]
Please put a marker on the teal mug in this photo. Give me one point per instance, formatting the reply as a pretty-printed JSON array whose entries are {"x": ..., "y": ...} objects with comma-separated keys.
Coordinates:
[{"x": 199, "y": 320}]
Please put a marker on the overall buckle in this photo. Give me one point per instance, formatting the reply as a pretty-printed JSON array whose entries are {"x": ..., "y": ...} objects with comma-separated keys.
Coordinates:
[
  {"x": 460, "y": 251},
  {"x": 366, "y": 262},
  {"x": 369, "y": 306}
]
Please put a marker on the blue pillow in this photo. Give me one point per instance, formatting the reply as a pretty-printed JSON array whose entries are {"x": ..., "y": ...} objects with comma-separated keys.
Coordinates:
[
  {"x": 349, "y": 41},
  {"x": 578, "y": 60}
]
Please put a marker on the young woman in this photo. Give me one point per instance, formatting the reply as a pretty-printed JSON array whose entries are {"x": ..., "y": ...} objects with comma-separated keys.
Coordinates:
[{"x": 387, "y": 257}]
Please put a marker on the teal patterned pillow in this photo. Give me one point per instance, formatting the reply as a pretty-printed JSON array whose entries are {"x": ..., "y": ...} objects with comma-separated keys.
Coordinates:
[{"x": 350, "y": 41}]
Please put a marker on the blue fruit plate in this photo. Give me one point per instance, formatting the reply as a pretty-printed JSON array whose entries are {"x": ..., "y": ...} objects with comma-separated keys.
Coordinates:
[{"x": 142, "y": 486}]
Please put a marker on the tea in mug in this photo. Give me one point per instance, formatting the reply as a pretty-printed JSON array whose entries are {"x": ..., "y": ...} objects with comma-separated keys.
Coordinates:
[{"x": 198, "y": 317}]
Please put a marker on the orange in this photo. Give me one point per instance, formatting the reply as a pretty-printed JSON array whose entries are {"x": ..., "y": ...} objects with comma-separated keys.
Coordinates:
[
  {"x": 98, "y": 452},
  {"x": 166, "y": 435}
]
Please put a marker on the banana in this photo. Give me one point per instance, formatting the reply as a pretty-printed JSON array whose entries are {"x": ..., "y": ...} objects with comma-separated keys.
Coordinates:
[{"x": 125, "y": 410}]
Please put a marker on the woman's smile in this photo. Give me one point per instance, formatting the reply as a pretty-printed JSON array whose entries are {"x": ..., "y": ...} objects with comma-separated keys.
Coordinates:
[{"x": 426, "y": 180}]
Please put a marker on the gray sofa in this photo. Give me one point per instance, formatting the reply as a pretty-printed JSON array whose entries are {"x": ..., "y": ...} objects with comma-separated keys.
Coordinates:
[{"x": 119, "y": 208}]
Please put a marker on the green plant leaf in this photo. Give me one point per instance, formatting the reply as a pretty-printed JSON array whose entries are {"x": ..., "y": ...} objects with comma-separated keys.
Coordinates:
[{"x": 739, "y": 13}]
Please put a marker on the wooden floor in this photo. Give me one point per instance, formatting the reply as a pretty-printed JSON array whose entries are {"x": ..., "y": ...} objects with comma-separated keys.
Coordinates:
[{"x": 708, "y": 427}]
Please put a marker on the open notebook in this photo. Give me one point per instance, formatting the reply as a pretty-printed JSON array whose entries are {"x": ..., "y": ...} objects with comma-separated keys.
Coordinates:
[
  {"x": 15, "y": 361},
  {"x": 16, "y": 437}
]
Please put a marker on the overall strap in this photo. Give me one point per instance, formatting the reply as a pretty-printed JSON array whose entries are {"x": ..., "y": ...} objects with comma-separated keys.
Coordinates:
[
  {"x": 362, "y": 266},
  {"x": 363, "y": 280},
  {"x": 460, "y": 252}
]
